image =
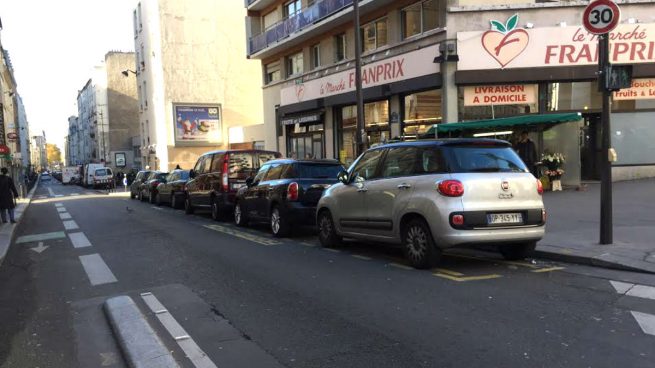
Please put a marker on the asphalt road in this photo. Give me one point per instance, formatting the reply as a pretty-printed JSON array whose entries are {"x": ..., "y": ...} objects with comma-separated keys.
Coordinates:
[{"x": 302, "y": 305}]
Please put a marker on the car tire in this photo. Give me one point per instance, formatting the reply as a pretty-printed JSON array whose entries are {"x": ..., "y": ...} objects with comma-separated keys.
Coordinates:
[
  {"x": 518, "y": 251},
  {"x": 279, "y": 225},
  {"x": 327, "y": 233},
  {"x": 216, "y": 210},
  {"x": 174, "y": 203},
  {"x": 418, "y": 245},
  {"x": 240, "y": 218},
  {"x": 188, "y": 207}
]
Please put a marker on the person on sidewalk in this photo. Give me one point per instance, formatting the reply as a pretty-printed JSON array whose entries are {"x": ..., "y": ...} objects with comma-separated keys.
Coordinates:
[
  {"x": 8, "y": 193},
  {"x": 527, "y": 152}
]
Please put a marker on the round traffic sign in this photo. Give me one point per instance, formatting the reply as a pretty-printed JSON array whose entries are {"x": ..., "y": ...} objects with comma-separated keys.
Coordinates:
[{"x": 601, "y": 16}]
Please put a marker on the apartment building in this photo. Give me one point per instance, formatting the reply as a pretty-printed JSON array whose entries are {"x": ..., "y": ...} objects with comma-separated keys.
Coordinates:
[
  {"x": 197, "y": 91},
  {"x": 432, "y": 62}
]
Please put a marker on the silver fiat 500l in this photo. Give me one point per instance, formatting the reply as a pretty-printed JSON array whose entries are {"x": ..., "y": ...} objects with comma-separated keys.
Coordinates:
[{"x": 436, "y": 194}]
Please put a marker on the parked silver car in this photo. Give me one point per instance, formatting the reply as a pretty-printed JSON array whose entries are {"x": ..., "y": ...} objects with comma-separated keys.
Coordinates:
[{"x": 431, "y": 195}]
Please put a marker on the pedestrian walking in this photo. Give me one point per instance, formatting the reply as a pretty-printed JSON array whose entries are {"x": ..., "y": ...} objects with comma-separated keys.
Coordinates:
[
  {"x": 527, "y": 151},
  {"x": 8, "y": 194}
]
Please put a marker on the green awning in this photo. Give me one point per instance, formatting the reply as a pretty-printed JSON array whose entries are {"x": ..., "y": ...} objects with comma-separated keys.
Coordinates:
[{"x": 512, "y": 121}]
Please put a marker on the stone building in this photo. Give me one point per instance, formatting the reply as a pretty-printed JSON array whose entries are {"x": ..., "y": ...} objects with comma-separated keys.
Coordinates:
[{"x": 197, "y": 91}]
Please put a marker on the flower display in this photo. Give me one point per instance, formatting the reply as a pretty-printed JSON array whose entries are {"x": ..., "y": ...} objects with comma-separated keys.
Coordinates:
[{"x": 553, "y": 163}]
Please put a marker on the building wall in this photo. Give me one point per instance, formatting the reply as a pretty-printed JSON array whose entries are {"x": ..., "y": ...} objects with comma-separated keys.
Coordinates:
[{"x": 193, "y": 54}]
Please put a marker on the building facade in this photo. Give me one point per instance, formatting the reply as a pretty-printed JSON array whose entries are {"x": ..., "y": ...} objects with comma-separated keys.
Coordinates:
[
  {"x": 38, "y": 152},
  {"x": 431, "y": 62},
  {"x": 197, "y": 91}
]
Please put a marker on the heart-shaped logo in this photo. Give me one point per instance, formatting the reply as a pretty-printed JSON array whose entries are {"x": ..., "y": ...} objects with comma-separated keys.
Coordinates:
[
  {"x": 300, "y": 91},
  {"x": 503, "y": 42}
]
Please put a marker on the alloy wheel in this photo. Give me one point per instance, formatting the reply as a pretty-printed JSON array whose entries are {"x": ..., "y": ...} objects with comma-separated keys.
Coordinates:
[
  {"x": 275, "y": 221},
  {"x": 416, "y": 243},
  {"x": 325, "y": 226},
  {"x": 237, "y": 213}
]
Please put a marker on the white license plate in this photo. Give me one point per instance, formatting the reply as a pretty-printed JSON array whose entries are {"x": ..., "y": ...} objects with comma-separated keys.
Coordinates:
[
  {"x": 504, "y": 218},
  {"x": 237, "y": 186}
]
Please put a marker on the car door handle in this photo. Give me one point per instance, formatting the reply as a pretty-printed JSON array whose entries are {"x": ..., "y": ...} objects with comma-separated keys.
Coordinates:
[{"x": 404, "y": 186}]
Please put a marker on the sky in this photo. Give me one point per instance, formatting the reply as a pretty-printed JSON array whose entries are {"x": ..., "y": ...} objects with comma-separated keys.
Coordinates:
[{"x": 53, "y": 47}]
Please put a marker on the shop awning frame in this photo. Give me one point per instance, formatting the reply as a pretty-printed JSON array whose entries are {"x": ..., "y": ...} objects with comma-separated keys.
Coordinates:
[{"x": 523, "y": 121}]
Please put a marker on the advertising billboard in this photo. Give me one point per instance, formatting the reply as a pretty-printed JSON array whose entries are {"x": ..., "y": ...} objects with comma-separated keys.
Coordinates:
[{"x": 197, "y": 125}]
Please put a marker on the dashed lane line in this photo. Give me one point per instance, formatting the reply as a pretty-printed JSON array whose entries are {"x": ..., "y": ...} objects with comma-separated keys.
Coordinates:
[
  {"x": 70, "y": 225},
  {"x": 198, "y": 357},
  {"x": 40, "y": 237},
  {"x": 52, "y": 194},
  {"x": 401, "y": 266},
  {"x": 59, "y": 204},
  {"x": 61, "y": 209},
  {"x": 243, "y": 235},
  {"x": 332, "y": 250},
  {"x": 547, "y": 269},
  {"x": 79, "y": 240},
  {"x": 65, "y": 216},
  {"x": 97, "y": 270},
  {"x": 365, "y": 258}
]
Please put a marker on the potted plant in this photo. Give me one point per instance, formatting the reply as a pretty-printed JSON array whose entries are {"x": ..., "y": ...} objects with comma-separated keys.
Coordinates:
[{"x": 553, "y": 163}]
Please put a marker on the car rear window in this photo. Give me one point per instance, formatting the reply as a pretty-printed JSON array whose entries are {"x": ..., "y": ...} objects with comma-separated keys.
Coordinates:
[
  {"x": 463, "y": 159},
  {"x": 183, "y": 175},
  {"x": 240, "y": 163},
  {"x": 101, "y": 172},
  {"x": 316, "y": 171}
]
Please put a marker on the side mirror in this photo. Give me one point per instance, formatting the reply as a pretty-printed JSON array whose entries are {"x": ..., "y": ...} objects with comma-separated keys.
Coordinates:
[
  {"x": 192, "y": 174},
  {"x": 249, "y": 181},
  {"x": 343, "y": 176}
]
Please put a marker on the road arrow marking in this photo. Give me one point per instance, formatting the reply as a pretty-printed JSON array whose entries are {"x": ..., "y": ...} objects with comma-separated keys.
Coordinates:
[
  {"x": 645, "y": 321},
  {"x": 40, "y": 248}
]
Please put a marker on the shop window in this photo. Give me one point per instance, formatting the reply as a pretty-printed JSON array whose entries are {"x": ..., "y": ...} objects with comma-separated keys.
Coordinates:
[
  {"x": 272, "y": 71},
  {"x": 316, "y": 56},
  {"x": 374, "y": 35},
  {"x": 573, "y": 96},
  {"x": 420, "y": 17},
  {"x": 294, "y": 64},
  {"x": 422, "y": 110},
  {"x": 376, "y": 117},
  {"x": 305, "y": 140},
  {"x": 340, "y": 47}
]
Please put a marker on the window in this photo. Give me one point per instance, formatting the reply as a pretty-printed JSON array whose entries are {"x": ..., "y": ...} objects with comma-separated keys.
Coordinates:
[
  {"x": 261, "y": 173},
  {"x": 199, "y": 165},
  {"x": 465, "y": 159},
  {"x": 422, "y": 110},
  {"x": 292, "y": 8},
  {"x": 294, "y": 64},
  {"x": 135, "y": 24},
  {"x": 145, "y": 95},
  {"x": 143, "y": 58},
  {"x": 141, "y": 97},
  {"x": 374, "y": 35},
  {"x": 419, "y": 18},
  {"x": 272, "y": 71},
  {"x": 340, "y": 47},
  {"x": 217, "y": 166},
  {"x": 207, "y": 165},
  {"x": 316, "y": 56},
  {"x": 275, "y": 172},
  {"x": 140, "y": 17},
  {"x": 399, "y": 162},
  {"x": 367, "y": 165},
  {"x": 431, "y": 161}
]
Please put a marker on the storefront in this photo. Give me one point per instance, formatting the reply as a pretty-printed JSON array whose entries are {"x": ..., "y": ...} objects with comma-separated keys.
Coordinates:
[
  {"x": 553, "y": 69},
  {"x": 401, "y": 94}
]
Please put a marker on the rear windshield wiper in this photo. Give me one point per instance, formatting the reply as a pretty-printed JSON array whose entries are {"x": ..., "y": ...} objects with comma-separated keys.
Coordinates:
[{"x": 485, "y": 169}]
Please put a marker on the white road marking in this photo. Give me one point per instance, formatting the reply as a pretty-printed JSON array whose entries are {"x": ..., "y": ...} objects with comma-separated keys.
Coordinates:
[
  {"x": 365, "y": 258},
  {"x": 198, "y": 357},
  {"x": 639, "y": 291},
  {"x": 70, "y": 225},
  {"x": 41, "y": 197},
  {"x": 97, "y": 270},
  {"x": 646, "y": 322},
  {"x": 58, "y": 195},
  {"x": 40, "y": 237},
  {"x": 74, "y": 194},
  {"x": 39, "y": 248},
  {"x": 157, "y": 208},
  {"x": 61, "y": 209},
  {"x": 79, "y": 240},
  {"x": 65, "y": 216},
  {"x": 621, "y": 287},
  {"x": 51, "y": 192},
  {"x": 59, "y": 204},
  {"x": 401, "y": 266}
]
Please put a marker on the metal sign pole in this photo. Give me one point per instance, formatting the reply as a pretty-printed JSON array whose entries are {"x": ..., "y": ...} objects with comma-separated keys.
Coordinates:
[
  {"x": 360, "y": 136},
  {"x": 606, "y": 166}
]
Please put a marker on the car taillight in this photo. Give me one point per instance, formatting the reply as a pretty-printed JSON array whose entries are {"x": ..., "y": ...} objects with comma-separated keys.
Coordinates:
[
  {"x": 451, "y": 188},
  {"x": 292, "y": 192},
  {"x": 225, "y": 176},
  {"x": 540, "y": 187}
]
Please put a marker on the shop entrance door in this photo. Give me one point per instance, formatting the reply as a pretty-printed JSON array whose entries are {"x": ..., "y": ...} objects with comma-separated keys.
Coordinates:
[{"x": 590, "y": 147}]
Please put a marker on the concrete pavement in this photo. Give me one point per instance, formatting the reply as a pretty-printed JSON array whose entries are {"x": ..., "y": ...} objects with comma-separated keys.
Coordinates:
[{"x": 573, "y": 227}]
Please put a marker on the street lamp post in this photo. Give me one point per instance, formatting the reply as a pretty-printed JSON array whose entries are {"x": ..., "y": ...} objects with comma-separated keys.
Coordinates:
[{"x": 360, "y": 137}]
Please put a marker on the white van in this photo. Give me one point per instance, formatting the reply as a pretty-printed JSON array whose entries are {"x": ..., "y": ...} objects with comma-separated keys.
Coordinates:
[{"x": 98, "y": 176}]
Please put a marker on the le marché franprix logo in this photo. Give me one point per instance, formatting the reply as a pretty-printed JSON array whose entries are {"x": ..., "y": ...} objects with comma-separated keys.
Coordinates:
[{"x": 504, "y": 42}]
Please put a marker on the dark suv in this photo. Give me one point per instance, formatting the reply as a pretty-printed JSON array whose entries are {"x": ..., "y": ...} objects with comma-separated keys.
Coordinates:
[
  {"x": 285, "y": 192},
  {"x": 218, "y": 175},
  {"x": 140, "y": 178}
]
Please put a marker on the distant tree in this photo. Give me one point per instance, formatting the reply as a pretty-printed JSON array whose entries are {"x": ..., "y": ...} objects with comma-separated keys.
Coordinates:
[{"x": 53, "y": 153}]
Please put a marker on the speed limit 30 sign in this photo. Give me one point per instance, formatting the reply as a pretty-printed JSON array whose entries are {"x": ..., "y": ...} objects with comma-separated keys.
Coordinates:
[{"x": 601, "y": 16}]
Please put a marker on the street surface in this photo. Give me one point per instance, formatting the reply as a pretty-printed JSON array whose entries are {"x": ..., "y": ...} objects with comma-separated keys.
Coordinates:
[{"x": 304, "y": 306}]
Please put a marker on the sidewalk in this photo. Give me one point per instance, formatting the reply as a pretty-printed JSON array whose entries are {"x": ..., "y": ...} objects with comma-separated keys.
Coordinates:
[
  {"x": 573, "y": 227},
  {"x": 7, "y": 230}
]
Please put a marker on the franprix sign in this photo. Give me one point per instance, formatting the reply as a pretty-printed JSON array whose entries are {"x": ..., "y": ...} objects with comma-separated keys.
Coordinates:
[
  {"x": 406, "y": 66},
  {"x": 508, "y": 94},
  {"x": 552, "y": 46}
]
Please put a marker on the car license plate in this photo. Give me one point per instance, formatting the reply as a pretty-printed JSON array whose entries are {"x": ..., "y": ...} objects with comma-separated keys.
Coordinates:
[
  {"x": 504, "y": 218},
  {"x": 237, "y": 186}
]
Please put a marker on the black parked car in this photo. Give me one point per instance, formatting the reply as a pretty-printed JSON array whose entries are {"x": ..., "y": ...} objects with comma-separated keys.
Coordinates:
[
  {"x": 218, "y": 175},
  {"x": 285, "y": 192},
  {"x": 172, "y": 190},
  {"x": 135, "y": 186},
  {"x": 148, "y": 189}
]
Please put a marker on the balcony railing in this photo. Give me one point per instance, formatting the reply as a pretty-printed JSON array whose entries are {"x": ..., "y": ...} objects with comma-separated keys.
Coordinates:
[{"x": 299, "y": 21}]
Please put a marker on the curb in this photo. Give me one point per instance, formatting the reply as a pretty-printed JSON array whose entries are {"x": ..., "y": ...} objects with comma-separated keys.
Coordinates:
[
  {"x": 588, "y": 261},
  {"x": 7, "y": 233},
  {"x": 139, "y": 343}
]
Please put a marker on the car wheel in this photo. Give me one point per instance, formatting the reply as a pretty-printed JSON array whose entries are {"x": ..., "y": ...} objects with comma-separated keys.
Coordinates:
[
  {"x": 188, "y": 207},
  {"x": 518, "y": 251},
  {"x": 174, "y": 201},
  {"x": 327, "y": 233},
  {"x": 141, "y": 197},
  {"x": 240, "y": 218},
  {"x": 279, "y": 224},
  {"x": 216, "y": 210},
  {"x": 418, "y": 245}
]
